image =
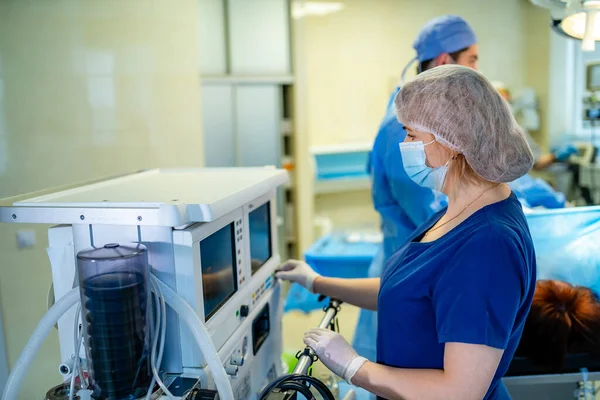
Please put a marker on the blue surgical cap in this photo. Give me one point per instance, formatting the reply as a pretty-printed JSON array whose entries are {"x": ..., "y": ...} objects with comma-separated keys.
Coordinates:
[{"x": 445, "y": 34}]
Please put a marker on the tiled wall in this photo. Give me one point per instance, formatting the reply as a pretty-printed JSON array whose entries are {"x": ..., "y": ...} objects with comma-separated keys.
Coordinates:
[{"x": 87, "y": 89}]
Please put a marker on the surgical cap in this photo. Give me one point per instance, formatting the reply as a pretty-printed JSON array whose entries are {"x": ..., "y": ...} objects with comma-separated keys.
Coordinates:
[
  {"x": 464, "y": 112},
  {"x": 445, "y": 34}
]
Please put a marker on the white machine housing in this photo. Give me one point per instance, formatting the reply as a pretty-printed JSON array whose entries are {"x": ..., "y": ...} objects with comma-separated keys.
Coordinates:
[
  {"x": 172, "y": 212},
  {"x": 260, "y": 367},
  {"x": 188, "y": 266}
]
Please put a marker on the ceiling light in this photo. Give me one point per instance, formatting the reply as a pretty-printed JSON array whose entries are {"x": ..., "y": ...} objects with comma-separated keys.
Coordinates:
[
  {"x": 576, "y": 19},
  {"x": 301, "y": 9}
]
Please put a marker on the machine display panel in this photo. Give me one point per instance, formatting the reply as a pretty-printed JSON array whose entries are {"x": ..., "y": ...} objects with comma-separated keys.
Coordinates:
[
  {"x": 593, "y": 77},
  {"x": 219, "y": 276},
  {"x": 260, "y": 236}
]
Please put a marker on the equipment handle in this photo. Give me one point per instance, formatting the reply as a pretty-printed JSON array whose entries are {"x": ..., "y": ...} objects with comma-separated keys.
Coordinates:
[{"x": 308, "y": 356}]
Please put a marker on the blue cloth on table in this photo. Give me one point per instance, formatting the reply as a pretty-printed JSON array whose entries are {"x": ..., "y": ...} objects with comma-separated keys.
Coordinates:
[
  {"x": 332, "y": 255},
  {"x": 537, "y": 193},
  {"x": 566, "y": 244}
]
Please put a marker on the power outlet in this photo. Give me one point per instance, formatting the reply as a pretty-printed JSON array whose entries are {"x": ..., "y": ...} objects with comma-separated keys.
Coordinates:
[{"x": 26, "y": 238}]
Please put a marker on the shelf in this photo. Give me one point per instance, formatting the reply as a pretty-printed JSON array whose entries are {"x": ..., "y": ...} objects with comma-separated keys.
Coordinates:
[
  {"x": 341, "y": 168},
  {"x": 279, "y": 80},
  {"x": 342, "y": 185},
  {"x": 342, "y": 148}
]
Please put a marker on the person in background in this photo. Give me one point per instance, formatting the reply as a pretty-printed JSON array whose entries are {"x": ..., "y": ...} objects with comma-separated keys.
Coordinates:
[
  {"x": 402, "y": 204},
  {"x": 535, "y": 192},
  {"x": 542, "y": 160},
  {"x": 558, "y": 154},
  {"x": 564, "y": 319}
]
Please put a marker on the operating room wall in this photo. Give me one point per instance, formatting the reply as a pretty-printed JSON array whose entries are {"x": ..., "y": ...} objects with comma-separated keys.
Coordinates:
[
  {"x": 87, "y": 89},
  {"x": 537, "y": 64},
  {"x": 353, "y": 59}
]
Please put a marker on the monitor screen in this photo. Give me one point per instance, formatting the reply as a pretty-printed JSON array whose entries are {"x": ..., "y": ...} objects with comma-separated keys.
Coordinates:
[
  {"x": 593, "y": 77},
  {"x": 219, "y": 276},
  {"x": 260, "y": 237}
]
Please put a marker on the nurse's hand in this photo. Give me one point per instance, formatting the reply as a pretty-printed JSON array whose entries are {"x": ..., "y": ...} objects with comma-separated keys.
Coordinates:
[
  {"x": 299, "y": 272},
  {"x": 335, "y": 352}
]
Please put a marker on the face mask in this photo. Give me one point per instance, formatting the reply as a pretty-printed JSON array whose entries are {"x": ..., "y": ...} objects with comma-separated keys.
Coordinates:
[{"x": 413, "y": 159}]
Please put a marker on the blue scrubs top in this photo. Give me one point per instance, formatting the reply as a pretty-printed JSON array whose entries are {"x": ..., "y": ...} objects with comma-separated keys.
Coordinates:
[
  {"x": 473, "y": 285},
  {"x": 402, "y": 204}
]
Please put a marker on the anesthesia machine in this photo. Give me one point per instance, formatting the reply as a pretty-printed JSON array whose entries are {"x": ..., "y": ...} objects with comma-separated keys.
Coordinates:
[{"x": 164, "y": 287}]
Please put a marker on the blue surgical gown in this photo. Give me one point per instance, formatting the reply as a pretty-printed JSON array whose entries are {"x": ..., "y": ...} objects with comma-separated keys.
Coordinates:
[
  {"x": 473, "y": 285},
  {"x": 402, "y": 205}
]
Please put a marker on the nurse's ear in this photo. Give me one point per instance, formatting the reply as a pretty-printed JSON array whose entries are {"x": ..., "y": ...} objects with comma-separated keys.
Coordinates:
[
  {"x": 444, "y": 59},
  {"x": 438, "y": 155}
]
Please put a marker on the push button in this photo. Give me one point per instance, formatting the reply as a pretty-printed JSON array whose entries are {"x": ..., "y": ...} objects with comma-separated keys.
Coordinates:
[{"x": 244, "y": 310}]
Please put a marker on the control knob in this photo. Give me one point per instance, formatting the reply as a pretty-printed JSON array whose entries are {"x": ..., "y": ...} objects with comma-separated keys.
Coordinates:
[
  {"x": 231, "y": 370},
  {"x": 237, "y": 359}
]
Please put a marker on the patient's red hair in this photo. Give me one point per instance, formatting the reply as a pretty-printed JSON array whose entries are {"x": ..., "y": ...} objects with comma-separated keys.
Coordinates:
[{"x": 563, "y": 319}]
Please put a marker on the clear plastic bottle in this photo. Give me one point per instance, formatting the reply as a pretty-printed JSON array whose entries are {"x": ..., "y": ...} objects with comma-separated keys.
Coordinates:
[{"x": 114, "y": 296}]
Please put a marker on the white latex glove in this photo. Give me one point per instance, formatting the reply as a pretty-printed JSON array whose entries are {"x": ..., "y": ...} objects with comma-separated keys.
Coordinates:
[
  {"x": 299, "y": 272},
  {"x": 335, "y": 352}
]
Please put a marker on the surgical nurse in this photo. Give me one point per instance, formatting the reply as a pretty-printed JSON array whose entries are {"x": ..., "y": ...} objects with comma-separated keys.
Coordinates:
[
  {"x": 452, "y": 302},
  {"x": 542, "y": 160},
  {"x": 403, "y": 205}
]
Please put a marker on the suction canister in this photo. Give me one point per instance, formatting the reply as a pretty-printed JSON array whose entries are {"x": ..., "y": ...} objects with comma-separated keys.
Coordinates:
[{"x": 114, "y": 284}]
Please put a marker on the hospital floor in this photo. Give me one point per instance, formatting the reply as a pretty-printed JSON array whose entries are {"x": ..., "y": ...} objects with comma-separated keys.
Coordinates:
[{"x": 295, "y": 323}]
